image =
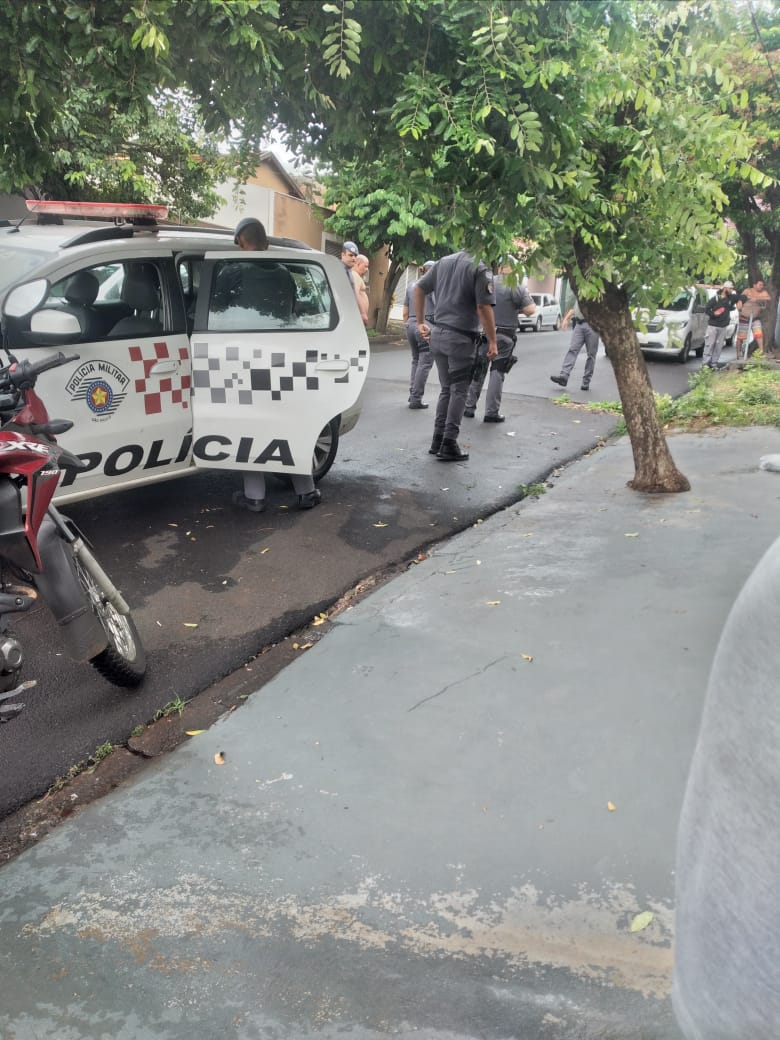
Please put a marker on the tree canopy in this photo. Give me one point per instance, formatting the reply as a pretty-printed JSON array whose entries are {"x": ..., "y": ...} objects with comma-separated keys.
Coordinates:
[{"x": 601, "y": 131}]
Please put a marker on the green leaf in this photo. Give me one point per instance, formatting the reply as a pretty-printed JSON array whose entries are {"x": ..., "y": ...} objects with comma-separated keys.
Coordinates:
[{"x": 641, "y": 921}]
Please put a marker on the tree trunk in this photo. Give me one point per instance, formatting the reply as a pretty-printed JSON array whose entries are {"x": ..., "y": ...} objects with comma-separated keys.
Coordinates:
[
  {"x": 395, "y": 270},
  {"x": 770, "y": 323},
  {"x": 753, "y": 262},
  {"x": 655, "y": 470}
]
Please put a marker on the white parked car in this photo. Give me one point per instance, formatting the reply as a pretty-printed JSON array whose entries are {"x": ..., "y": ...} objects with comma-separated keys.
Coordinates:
[
  {"x": 678, "y": 329},
  {"x": 191, "y": 352},
  {"x": 548, "y": 312}
]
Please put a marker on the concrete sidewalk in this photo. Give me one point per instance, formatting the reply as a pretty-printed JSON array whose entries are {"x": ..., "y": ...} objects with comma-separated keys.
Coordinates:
[{"x": 410, "y": 833}]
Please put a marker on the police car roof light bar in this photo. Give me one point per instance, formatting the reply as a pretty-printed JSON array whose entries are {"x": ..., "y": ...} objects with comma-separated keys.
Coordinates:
[{"x": 140, "y": 212}]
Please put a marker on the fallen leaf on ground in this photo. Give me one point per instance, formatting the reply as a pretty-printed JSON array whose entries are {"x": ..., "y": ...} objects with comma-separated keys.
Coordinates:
[
  {"x": 641, "y": 921},
  {"x": 493, "y": 602},
  {"x": 219, "y": 758},
  {"x": 611, "y": 806},
  {"x": 380, "y": 524},
  {"x": 526, "y": 657},
  {"x": 304, "y": 646},
  {"x": 194, "y": 732},
  {"x": 318, "y": 621},
  {"x": 264, "y": 551},
  {"x": 190, "y": 624},
  {"x": 173, "y": 525},
  {"x": 632, "y": 534}
]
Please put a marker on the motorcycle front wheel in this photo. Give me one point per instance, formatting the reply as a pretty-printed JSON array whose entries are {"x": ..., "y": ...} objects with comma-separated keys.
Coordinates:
[{"x": 123, "y": 662}]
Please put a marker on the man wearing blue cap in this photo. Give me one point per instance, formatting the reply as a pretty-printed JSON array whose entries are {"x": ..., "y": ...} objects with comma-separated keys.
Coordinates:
[{"x": 349, "y": 254}]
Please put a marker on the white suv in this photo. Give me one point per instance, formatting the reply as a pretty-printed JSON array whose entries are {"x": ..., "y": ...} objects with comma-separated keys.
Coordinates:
[
  {"x": 548, "y": 312},
  {"x": 191, "y": 353},
  {"x": 678, "y": 328}
]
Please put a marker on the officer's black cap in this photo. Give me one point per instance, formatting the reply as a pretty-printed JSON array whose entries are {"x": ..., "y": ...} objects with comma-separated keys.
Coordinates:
[{"x": 242, "y": 226}]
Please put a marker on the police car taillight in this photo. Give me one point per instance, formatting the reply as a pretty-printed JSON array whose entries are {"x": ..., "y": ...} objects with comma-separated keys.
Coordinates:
[{"x": 100, "y": 210}]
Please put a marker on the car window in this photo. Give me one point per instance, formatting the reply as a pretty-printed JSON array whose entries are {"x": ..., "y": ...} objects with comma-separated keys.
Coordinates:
[
  {"x": 112, "y": 300},
  {"x": 257, "y": 295}
]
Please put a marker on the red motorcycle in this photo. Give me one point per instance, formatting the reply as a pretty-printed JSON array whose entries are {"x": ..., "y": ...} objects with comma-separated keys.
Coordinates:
[{"x": 42, "y": 552}]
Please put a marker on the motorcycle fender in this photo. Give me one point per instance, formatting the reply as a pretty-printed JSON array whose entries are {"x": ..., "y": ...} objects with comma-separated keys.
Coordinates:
[
  {"x": 58, "y": 585},
  {"x": 13, "y": 539}
]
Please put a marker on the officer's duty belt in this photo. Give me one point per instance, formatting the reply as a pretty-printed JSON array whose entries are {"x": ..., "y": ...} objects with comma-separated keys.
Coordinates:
[
  {"x": 506, "y": 330},
  {"x": 476, "y": 336}
]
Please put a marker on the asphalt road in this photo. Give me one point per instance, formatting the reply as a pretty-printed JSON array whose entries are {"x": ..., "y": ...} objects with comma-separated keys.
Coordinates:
[{"x": 211, "y": 586}]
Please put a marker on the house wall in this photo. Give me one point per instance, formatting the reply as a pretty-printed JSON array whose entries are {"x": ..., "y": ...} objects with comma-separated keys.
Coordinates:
[
  {"x": 294, "y": 218},
  {"x": 257, "y": 201}
]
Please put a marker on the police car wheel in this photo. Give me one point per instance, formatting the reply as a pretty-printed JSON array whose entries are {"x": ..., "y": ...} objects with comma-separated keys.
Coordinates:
[{"x": 325, "y": 451}]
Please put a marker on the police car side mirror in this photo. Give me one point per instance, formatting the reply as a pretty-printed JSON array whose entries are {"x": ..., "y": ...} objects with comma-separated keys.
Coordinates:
[
  {"x": 51, "y": 326},
  {"x": 25, "y": 298}
]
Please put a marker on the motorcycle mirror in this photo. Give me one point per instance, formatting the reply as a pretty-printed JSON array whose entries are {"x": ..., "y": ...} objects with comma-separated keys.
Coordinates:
[
  {"x": 54, "y": 326},
  {"x": 25, "y": 298}
]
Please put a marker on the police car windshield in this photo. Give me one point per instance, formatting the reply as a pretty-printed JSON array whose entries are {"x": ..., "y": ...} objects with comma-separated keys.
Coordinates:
[{"x": 15, "y": 263}]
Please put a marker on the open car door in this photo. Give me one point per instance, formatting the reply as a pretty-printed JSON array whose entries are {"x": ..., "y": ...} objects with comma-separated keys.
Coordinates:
[{"x": 278, "y": 351}]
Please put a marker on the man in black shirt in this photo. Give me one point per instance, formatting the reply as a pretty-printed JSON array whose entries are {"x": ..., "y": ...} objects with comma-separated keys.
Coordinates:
[{"x": 719, "y": 312}]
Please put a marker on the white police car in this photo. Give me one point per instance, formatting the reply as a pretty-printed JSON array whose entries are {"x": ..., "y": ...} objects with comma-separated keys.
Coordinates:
[{"x": 191, "y": 353}]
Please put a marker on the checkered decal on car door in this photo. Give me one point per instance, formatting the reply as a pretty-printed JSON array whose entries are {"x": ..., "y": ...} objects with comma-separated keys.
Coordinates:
[
  {"x": 173, "y": 389},
  {"x": 268, "y": 376}
]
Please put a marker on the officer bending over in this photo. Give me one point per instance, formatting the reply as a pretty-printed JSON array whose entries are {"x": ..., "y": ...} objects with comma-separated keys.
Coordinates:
[
  {"x": 463, "y": 297},
  {"x": 250, "y": 235}
]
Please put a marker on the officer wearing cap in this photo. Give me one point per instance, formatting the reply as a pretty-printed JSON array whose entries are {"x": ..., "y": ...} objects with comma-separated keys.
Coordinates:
[
  {"x": 509, "y": 303},
  {"x": 464, "y": 298},
  {"x": 422, "y": 359},
  {"x": 349, "y": 254},
  {"x": 250, "y": 235}
]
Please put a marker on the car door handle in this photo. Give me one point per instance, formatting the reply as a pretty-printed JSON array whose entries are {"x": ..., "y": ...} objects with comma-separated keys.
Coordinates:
[
  {"x": 332, "y": 366},
  {"x": 164, "y": 368}
]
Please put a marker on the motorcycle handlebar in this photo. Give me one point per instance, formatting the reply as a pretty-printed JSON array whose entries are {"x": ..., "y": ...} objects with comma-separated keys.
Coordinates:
[{"x": 22, "y": 375}]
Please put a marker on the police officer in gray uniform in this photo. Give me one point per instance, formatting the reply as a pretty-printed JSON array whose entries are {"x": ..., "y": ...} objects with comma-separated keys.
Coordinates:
[
  {"x": 464, "y": 298},
  {"x": 509, "y": 302},
  {"x": 422, "y": 359},
  {"x": 582, "y": 336}
]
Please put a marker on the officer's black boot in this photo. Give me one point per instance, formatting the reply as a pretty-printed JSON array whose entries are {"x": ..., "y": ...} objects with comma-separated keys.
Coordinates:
[
  {"x": 450, "y": 451},
  {"x": 436, "y": 444}
]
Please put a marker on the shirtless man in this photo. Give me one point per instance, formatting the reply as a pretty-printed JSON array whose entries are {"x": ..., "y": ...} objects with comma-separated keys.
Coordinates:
[
  {"x": 751, "y": 304},
  {"x": 359, "y": 271}
]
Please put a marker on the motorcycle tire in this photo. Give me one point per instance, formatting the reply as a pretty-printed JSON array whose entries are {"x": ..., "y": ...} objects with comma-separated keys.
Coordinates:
[{"x": 123, "y": 662}]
